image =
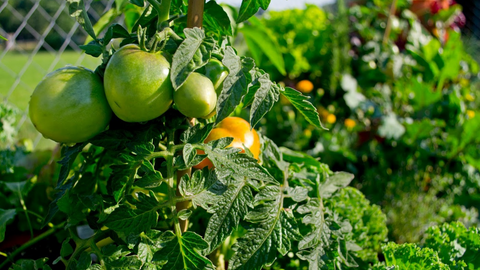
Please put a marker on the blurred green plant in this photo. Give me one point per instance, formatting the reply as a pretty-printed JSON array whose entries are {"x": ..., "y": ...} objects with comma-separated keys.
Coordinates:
[{"x": 402, "y": 109}]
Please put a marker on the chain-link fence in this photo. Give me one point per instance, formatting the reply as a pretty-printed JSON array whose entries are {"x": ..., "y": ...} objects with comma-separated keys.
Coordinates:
[{"x": 41, "y": 38}]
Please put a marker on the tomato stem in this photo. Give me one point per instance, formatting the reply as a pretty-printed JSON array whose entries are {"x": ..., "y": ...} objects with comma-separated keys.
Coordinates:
[
  {"x": 30, "y": 243},
  {"x": 163, "y": 11}
]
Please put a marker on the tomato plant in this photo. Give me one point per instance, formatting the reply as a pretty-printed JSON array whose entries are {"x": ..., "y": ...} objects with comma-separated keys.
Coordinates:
[{"x": 69, "y": 105}]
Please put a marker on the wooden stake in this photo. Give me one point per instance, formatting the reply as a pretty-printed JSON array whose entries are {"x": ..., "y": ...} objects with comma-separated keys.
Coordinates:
[
  {"x": 195, "y": 13},
  {"x": 393, "y": 9}
]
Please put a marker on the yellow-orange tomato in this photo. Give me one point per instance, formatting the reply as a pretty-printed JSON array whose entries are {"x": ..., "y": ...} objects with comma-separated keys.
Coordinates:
[
  {"x": 305, "y": 86},
  {"x": 350, "y": 123},
  {"x": 242, "y": 134}
]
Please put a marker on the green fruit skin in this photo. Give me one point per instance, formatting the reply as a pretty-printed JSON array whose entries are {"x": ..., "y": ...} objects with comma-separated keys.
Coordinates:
[
  {"x": 196, "y": 97},
  {"x": 217, "y": 73},
  {"x": 137, "y": 84},
  {"x": 69, "y": 105}
]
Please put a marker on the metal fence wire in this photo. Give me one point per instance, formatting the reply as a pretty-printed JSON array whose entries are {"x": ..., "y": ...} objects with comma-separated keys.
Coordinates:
[{"x": 41, "y": 38}]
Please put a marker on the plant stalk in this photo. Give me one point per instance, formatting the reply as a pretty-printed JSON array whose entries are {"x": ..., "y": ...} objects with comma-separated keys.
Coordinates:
[{"x": 31, "y": 243}]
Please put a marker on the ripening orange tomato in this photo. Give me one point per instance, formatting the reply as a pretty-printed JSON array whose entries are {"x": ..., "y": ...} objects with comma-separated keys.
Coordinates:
[{"x": 242, "y": 133}]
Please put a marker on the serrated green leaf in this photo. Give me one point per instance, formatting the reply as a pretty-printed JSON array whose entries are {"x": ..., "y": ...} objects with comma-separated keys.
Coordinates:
[
  {"x": 6, "y": 217},
  {"x": 76, "y": 9},
  {"x": 230, "y": 162},
  {"x": 69, "y": 156},
  {"x": 297, "y": 193},
  {"x": 149, "y": 243},
  {"x": 272, "y": 232},
  {"x": 84, "y": 262},
  {"x": 112, "y": 139},
  {"x": 334, "y": 182},
  {"x": 266, "y": 95},
  {"x": 227, "y": 213},
  {"x": 303, "y": 105},
  {"x": 150, "y": 180},
  {"x": 236, "y": 83},
  {"x": 184, "y": 214},
  {"x": 196, "y": 134},
  {"x": 204, "y": 187},
  {"x": 216, "y": 20},
  {"x": 192, "y": 54},
  {"x": 410, "y": 256},
  {"x": 250, "y": 7},
  {"x": 93, "y": 48},
  {"x": 183, "y": 252},
  {"x": 455, "y": 243},
  {"x": 66, "y": 248},
  {"x": 189, "y": 154},
  {"x": 142, "y": 218},
  {"x": 117, "y": 183}
]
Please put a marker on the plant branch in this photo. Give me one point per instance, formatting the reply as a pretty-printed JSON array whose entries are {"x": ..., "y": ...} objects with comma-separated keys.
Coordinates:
[{"x": 31, "y": 243}]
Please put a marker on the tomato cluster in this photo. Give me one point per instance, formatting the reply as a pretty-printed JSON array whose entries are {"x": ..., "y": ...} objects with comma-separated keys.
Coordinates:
[{"x": 72, "y": 104}]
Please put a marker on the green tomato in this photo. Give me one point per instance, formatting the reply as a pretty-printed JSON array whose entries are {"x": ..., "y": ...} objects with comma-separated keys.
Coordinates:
[
  {"x": 137, "y": 84},
  {"x": 196, "y": 97},
  {"x": 69, "y": 105},
  {"x": 217, "y": 73}
]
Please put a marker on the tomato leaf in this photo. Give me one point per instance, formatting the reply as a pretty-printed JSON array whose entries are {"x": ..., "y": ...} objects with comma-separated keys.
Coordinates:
[
  {"x": 250, "y": 7},
  {"x": 76, "y": 9},
  {"x": 204, "y": 188},
  {"x": 6, "y": 217},
  {"x": 129, "y": 220},
  {"x": 69, "y": 156},
  {"x": 272, "y": 232},
  {"x": 334, "y": 182},
  {"x": 216, "y": 20},
  {"x": 227, "y": 213},
  {"x": 196, "y": 134},
  {"x": 117, "y": 183},
  {"x": 305, "y": 107},
  {"x": 93, "y": 48},
  {"x": 183, "y": 251},
  {"x": 266, "y": 95},
  {"x": 192, "y": 54},
  {"x": 115, "y": 31},
  {"x": 230, "y": 162},
  {"x": 236, "y": 83}
]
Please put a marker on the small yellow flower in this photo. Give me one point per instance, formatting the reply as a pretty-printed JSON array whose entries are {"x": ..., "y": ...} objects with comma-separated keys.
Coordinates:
[
  {"x": 331, "y": 118},
  {"x": 469, "y": 97},
  {"x": 350, "y": 123},
  {"x": 471, "y": 114}
]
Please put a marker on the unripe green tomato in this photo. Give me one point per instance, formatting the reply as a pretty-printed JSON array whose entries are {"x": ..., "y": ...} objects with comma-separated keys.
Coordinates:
[
  {"x": 217, "y": 73},
  {"x": 137, "y": 84},
  {"x": 196, "y": 97},
  {"x": 69, "y": 105}
]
